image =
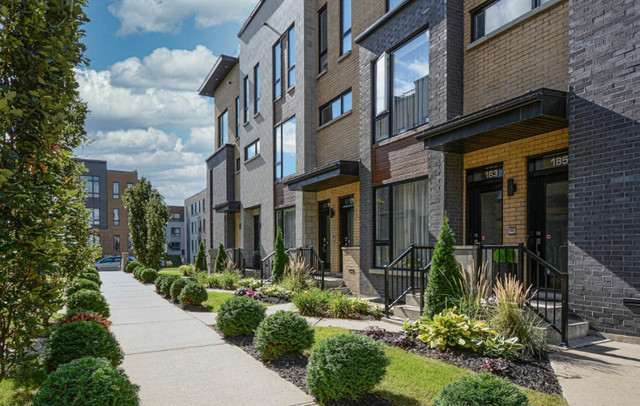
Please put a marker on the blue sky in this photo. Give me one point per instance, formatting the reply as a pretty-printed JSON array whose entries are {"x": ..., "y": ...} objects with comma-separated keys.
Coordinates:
[{"x": 148, "y": 59}]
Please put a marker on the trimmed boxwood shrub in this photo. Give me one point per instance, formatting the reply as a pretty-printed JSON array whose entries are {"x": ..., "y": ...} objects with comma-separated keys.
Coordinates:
[
  {"x": 80, "y": 339},
  {"x": 92, "y": 277},
  {"x": 480, "y": 390},
  {"x": 131, "y": 266},
  {"x": 240, "y": 315},
  {"x": 176, "y": 288},
  {"x": 137, "y": 271},
  {"x": 158, "y": 282},
  {"x": 81, "y": 315},
  {"x": 345, "y": 366},
  {"x": 80, "y": 284},
  {"x": 193, "y": 294},
  {"x": 87, "y": 381},
  {"x": 283, "y": 332},
  {"x": 93, "y": 270},
  {"x": 167, "y": 281},
  {"x": 88, "y": 300},
  {"x": 148, "y": 275}
]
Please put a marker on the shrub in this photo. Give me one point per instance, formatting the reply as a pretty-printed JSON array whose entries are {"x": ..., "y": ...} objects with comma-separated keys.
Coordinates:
[
  {"x": 214, "y": 281},
  {"x": 404, "y": 341},
  {"x": 187, "y": 270},
  {"x": 201, "y": 258},
  {"x": 148, "y": 275},
  {"x": 200, "y": 277},
  {"x": 480, "y": 390},
  {"x": 80, "y": 339},
  {"x": 276, "y": 291},
  {"x": 158, "y": 282},
  {"x": 412, "y": 328},
  {"x": 313, "y": 302},
  {"x": 250, "y": 283},
  {"x": 80, "y": 284},
  {"x": 131, "y": 266},
  {"x": 93, "y": 270},
  {"x": 496, "y": 366},
  {"x": 176, "y": 288},
  {"x": 193, "y": 294},
  {"x": 87, "y": 381},
  {"x": 297, "y": 276},
  {"x": 445, "y": 276},
  {"x": 449, "y": 329},
  {"x": 88, "y": 300},
  {"x": 345, "y": 366},
  {"x": 136, "y": 271},
  {"x": 240, "y": 315},
  {"x": 283, "y": 332},
  {"x": 230, "y": 279},
  {"x": 341, "y": 306},
  {"x": 85, "y": 316},
  {"x": 221, "y": 259},
  {"x": 280, "y": 258},
  {"x": 166, "y": 283},
  {"x": 375, "y": 332},
  {"x": 91, "y": 277}
]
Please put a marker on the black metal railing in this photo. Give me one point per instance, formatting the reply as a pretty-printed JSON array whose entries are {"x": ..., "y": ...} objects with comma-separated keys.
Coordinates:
[
  {"x": 236, "y": 256},
  {"x": 403, "y": 274},
  {"x": 306, "y": 254}
]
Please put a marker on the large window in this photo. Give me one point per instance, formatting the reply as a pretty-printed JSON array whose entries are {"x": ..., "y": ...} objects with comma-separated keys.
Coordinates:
[
  {"x": 116, "y": 243},
  {"x": 285, "y": 161},
  {"x": 246, "y": 98},
  {"x": 175, "y": 231},
  {"x": 129, "y": 243},
  {"x": 391, "y": 4},
  {"x": 336, "y": 107},
  {"x": 345, "y": 26},
  {"x": 256, "y": 89},
  {"x": 129, "y": 185},
  {"x": 223, "y": 129},
  {"x": 237, "y": 117},
  {"x": 92, "y": 186},
  {"x": 116, "y": 190},
  {"x": 252, "y": 150},
  {"x": 323, "y": 59},
  {"x": 401, "y": 219},
  {"x": 498, "y": 13},
  {"x": 94, "y": 217},
  {"x": 116, "y": 217},
  {"x": 286, "y": 221},
  {"x": 277, "y": 70},
  {"x": 174, "y": 246},
  {"x": 291, "y": 56},
  {"x": 403, "y": 75}
]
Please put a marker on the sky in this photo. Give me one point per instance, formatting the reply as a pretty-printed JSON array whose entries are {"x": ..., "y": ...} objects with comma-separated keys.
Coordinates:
[{"x": 148, "y": 59}]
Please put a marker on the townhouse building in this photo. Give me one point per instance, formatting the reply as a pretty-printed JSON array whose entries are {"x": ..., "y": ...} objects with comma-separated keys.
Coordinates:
[
  {"x": 174, "y": 233},
  {"x": 195, "y": 221}
]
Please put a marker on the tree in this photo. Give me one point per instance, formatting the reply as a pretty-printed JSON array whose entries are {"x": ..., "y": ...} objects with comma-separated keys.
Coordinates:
[
  {"x": 280, "y": 259},
  {"x": 221, "y": 259},
  {"x": 157, "y": 216},
  {"x": 44, "y": 226},
  {"x": 445, "y": 276},
  {"x": 201, "y": 258}
]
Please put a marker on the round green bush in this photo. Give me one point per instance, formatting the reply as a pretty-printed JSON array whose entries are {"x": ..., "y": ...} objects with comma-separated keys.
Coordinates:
[
  {"x": 345, "y": 366},
  {"x": 480, "y": 390},
  {"x": 240, "y": 315},
  {"x": 80, "y": 339},
  {"x": 193, "y": 294},
  {"x": 87, "y": 381},
  {"x": 176, "y": 288},
  {"x": 158, "y": 282},
  {"x": 137, "y": 271},
  {"x": 93, "y": 270},
  {"x": 167, "y": 281},
  {"x": 92, "y": 277},
  {"x": 88, "y": 300},
  {"x": 283, "y": 332},
  {"x": 80, "y": 284},
  {"x": 148, "y": 275},
  {"x": 131, "y": 266}
]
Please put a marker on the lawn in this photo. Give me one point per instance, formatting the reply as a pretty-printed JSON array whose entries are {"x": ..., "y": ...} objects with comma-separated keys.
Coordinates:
[
  {"x": 215, "y": 299},
  {"x": 170, "y": 271},
  {"x": 416, "y": 380}
]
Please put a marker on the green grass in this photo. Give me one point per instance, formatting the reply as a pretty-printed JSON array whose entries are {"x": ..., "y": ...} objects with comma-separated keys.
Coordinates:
[
  {"x": 215, "y": 299},
  {"x": 170, "y": 271},
  {"x": 414, "y": 380},
  {"x": 7, "y": 390}
]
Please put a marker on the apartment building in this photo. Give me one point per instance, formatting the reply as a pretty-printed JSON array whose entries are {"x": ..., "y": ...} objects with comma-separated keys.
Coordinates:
[
  {"x": 174, "y": 233},
  {"x": 195, "y": 221}
]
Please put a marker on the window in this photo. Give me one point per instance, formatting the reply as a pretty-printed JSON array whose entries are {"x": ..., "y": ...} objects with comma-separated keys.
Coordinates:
[
  {"x": 285, "y": 160},
  {"x": 499, "y": 13},
  {"x": 92, "y": 186},
  {"x": 94, "y": 240},
  {"x": 401, "y": 219},
  {"x": 256, "y": 89},
  {"x": 246, "y": 98},
  {"x": 404, "y": 75},
  {"x": 174, "y": 246},
  {"x": 237, "y": 117},
  {"x": 323, "y": 59},
  {"x": 345, "y": 26},
  {"x": 116, "y": 217},
  {"x": 277, "y": 70},
  {"x": 223, "y": 129},
  {"x": 116, "y": 190},
  {"x": 94, "y": 217},
  {"x": 237, "y": 164},
  {"x": 286, "y": 221},
  {"x": 391, "y": 4},
  {"x": 116, "y": 243},
  {"x": 252, "y": 150},
  {"x": 336, "y": 107},
  {"x": 176, "y": 216},
  {"x": 291, "y": 56},
  {"x": 211, "y": 186},
  {"x": 129, "y": 185},
  {"x": 175, "y": 231},
  {"x": 129, "y": 243}
]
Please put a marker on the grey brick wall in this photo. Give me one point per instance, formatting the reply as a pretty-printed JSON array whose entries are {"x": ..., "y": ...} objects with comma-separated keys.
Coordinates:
[{"x": 604, "y": 169}]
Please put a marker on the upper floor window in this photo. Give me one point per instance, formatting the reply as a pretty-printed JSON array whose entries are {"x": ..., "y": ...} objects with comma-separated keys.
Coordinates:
[
  {"x": 252, "y": 150},
  {"x": 246, "y": 98},
  {"x": 336, "y": 107},
  {"x": 94, "y": 217},
  {"x": 237, "y": 117},
  {"x": 256, "y": 89},
  {"x": 345, "y": 26},
  {"x": 129, "y": 185},
  {"x": 223, "y": 129},
  {"x": 323, "y": 59},
  {"x": 391, "y": 4},
  {"x": 497, "y": 13},
  {"x": 116, "y": 217},
  {"x": 176, "y": 216},
  {"x": 285, "y": 160},
  {"x": 291, "y": 56},
  {"x": 277, "y": 70},
  {"x": 402, "y": 88},
  {"x": 116, "y": 190},
  {"x": 92, "y": 186},
  {"x": 175, "y": 231}
]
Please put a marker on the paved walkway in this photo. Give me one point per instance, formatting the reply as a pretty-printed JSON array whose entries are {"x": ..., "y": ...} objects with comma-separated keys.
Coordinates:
[{"x": 178, "y": 360}]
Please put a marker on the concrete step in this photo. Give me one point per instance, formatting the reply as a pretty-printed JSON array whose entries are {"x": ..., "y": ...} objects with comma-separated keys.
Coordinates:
[
  {"x": 413, "y": 299},
  {"x": 577, "y": 329},
  {"x": 331, "y": 282},
  {"x": 252, "y": 273},
  {"x": 406, "y": 312},
  {"x": 342, "y": 289},
  {"x": 547, "y": 309}
]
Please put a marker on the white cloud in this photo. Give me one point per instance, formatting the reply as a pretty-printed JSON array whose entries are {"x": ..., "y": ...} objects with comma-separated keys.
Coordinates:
[
  {"x": 201, "y": 140},
  {"x": 168, "y": 15}
]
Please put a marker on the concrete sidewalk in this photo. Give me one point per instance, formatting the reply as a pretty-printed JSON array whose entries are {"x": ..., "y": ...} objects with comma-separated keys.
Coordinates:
[{"x": 177, "y": 360}]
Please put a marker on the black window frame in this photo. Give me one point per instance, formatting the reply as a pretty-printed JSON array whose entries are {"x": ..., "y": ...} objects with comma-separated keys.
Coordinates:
[
  {"x": 116, "y": 243},
  {"x": 256, "y": 150},
  {"x": 345, "y": 33},
  {"x": 220, "y": 128},
  {"x": 116, "y": 216},
  {"x": 172, "y": 246},
  {"x": 237, "y": 117},
  {"x": 115, "y": 190},
  {"x": 341, "y": 97},
  {"x": 256, "y": 89},
  {"x": 93, "y": 181},
  {"x": 246, "y": 97},
  {"x": 93, "y": 220},
  {"x": 291, "y": 67},
  {"x": 279, "y": 222},
  {"x": 483, "y": 7},
  {"x": 323, "y": 52},
  {"x": 277, "y": 70},
  {"x": 179, "y": 234}
]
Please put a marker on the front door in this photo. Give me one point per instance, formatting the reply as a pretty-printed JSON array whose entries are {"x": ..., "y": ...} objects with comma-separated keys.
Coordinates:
[
  {"x": 347, "y": 215},
  {"x": 484, "y": 205},
  {"x": 324, "y": 233}
]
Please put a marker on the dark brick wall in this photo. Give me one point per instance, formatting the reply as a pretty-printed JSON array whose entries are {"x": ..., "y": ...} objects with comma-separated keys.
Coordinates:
[
  {"x": 99, "y": 168},
  {"x": 604, "y": 170}
]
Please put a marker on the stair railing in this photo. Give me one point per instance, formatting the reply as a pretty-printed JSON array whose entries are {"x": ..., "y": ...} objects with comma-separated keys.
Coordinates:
[
  {"x": 400, "y": 275},
  {"x": 236, "y": 256}
]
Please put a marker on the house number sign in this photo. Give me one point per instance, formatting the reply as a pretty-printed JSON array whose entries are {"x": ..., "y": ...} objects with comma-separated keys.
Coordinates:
[{"x": 557, "y": 160}]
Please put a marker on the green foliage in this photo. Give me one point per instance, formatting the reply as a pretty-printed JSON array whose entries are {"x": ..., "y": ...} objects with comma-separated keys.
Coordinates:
[
  {"x": 449, "y": 330},
  {"x": 193, "y": 294},
  {"x": 481, "y": 390},
  {"x": 345, "y": 366},
  {"x": 148, "y": 275},
  {"x": 221, "y": 259},
  {"x": 157, "y": 216},
  {"x": 92, "y": 269},
  {"x": 239, "y": 316},
  {"x": 250, "y": 283},
  {"x": 176, "y": 288},
  {"x": 81, "y": 315},
  {"x": 313, "y": 302},
  {"x": 496, "y": 346},
  {"x": 87, "y": 381},
  {"x": 80, "y": 284},
  {"x": 276, "y": 291},
  {"x": 91, "y": 277},
  {"x": 88, "y": 300},
  {"x": 80, "y": 339},
  {"x": 159, "y": 281},
  {"x": 504, "y": 256},
  {"x": 297, "y": 277},
  {"x": 445, "y": 277},
  {"x": 229, "y": 280},
  {"x": 283, "y": 332},
  {"x": 187, "y": 270},
  {"x": 325, "y": 303},
  {"x": 131, "y": 266},
  {"x": 166, "y": 283},
  {"x": 173, "y": 260},
  {"x": 280, "y": 259}
]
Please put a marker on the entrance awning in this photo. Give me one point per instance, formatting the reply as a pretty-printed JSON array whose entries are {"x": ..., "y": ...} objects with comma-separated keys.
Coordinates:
[
  {"x": 326, "y": 177},
  {"x": 534, "y": 113},
  {"x": 227, "y": 207}
]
